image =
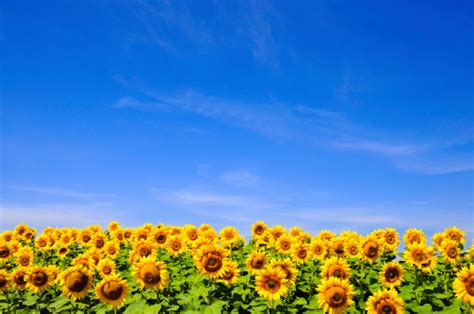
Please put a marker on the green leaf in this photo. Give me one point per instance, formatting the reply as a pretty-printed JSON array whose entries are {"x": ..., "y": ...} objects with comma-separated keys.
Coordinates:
[
  {"x": 424, "y": 309},
  {"x": 152, "y": 309},
  {"x": 137, "y": 306},
  {"x": 453, "y": 308},
  {"x": 214, "y": 308}
]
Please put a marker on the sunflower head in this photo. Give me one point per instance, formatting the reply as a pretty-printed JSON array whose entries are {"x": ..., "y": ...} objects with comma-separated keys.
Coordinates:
[
  {"x": 417, "y": 254},
  {"x": 176, "y": 245},
  {"x": 318, "y": 248},
  {"x": 149, "y": 273},
  {"x": 301, "y": 253},
  {"x": 258, "y": 228},
  {"x": 4, "y": 280},
  {"x": 210, "y": 261},
  {"x": 38, "y": 279},
  {"x": 391, "y": 275},
  {"x": 256, "y": 261},
  {"x": 112, "y": 290},
  {"x": 284, "y": 244},
  {"x": 287, "y": 266},
  {"x": 335, "y": 295},
  {"x": 231, "y": 273},
  {"x": 335, "y": 267},
  {"x": 352, "y": 248},
  {"x": 337, "y": 247},
  {"x": 450, "y": 251},
  {"x": 75, "y": 282},
  {"x": 106, "y": 267},
  {"x": 454, "y": 234},
  {"x": 386, "y": 301},
  {"x": 271, "y": 283},
  {"x": 463, "y": 285},
  {"x": 413, "y": 236},
  {"x": 370, "y": 249},
  {"x": 5, "y": 251},
  {"x": 24, "y": 256}
]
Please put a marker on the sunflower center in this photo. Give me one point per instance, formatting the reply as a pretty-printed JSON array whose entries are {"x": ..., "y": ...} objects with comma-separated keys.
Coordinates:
[
  {"x": 452, "y": 252},
  {"x": 390, "y": 239},
  {"x": 213, "y": 264},
  {"x": 228, "y": 275},
  {"x": 385, "y": 307},
  {"x": 302, "y": 253},
  {"x": 391, "y": 275},
  {"x": 19, "y": 279},
  {"x": 39, "y": 279},
  {"x": 86, "y": 238},
  {"x": 144, "y": 251},
  {"x": 318, "y": 250},
  {"x": 192, "y": 235},
  {"x": 99, "y": 243},
  {"x": 285, "y": 245},
  {"x": 176, "y": 246},
  {"x": 336, "y": 297},
  {"x": 4, "y": 252},
  {"x": 112, "y": 250},
  {"x": 42, "y": 243},
  {"x": 339, "y": 250},
  {"x": 150, "y": 274},
  {"x": 273, "y": 284},
  {"x": 24, "y": 261},
  {"x": 371, "y": 251},
  {"x": 258, "y": 263},
  {"x": 106, "y": 270},
  {"x": 259, "y": 230},
  {"x": 62, "y": 250},
  {"x": 419, "y": 257},
  {"x": 470, "y": 286},
  {"x": 161, "y": 238},
  {"x": 76, "y": 281},
  {"x": 112, "y": 290}
]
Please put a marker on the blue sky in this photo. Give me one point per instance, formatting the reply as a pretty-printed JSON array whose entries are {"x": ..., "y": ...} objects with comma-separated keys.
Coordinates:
[{"x": 323, "y": 114}]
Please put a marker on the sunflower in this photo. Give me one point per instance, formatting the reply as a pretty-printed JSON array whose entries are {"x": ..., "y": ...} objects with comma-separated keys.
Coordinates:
[
  {"x": 463, "y": 285},
  {"x": 150, "y": 273},
  {"x": 7, "y": 236},
  {"x": 277, "y": 231},
  {"x": 24, "y": 256},
  {"x": 337, "y": 247},
  {"x": 112, "y": 290},
  {"x": 455, "y": 234},
  {"x": 300, "y": 253},
  {"x": 431, "y": 260},
  {"x": 258, "y": 228},
  {"x": 228, "y": 234},
  {"x": 231, "y": 273},
  {"x": 42, "y": 243},
  {"x": 438, "y": 239},
  {"x": 176, "y": 245},
  {"x": 160, "y": 235},
  {"x": 112, "y": 249},
  {"x": 413, "y": 236},
  {"x": 450, "y": 251},
  {"x": 4, "y": 280},
  {"x": 62, "y": 251},
  {"x": 296, "y": 232},
  {"x": 417, "y": 254},
  {"x": 370, "y": 249},
  {"x": 106, "y": 267},
  {"x": 335, "y": 267},
  {"x": 190, "y": 233},
  {"x": 143, "y": 248},
  {"x": 287, "y": 266},
  {"x": 256, "y": 262},
  {"x": 119, "y": 235},
  {"x": 352, "y": 248},
  {"x": 99, "y": 241},
  {"x": 113, "y": 226},
  {"x": 335, "y": 295},
  {"x": 318, "y": 248},
  {"x": 284, "y": 244},
  {"x": 85, "y": 237},
  {"x": 18, "y": 278},
  {"x": 390, "y": 240},
  {"x": 85, "y": 260},
  {"x": 141, "y": 234},
  {"x": 326, "y": 235},
  {"x": 210, "y": 261},
  {"x": 20, "y": 229},
  {"x": 385, "y": 301},
  {"x": 5, "y": 251},
  {"x": 271, "y": 284},
  {"x": 38, "y": 279},
  {"x": 392, "y": 275},
  {"x": 75, "y": 281}
]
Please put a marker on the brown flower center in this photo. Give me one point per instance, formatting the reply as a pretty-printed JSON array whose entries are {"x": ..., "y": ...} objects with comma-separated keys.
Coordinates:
[
  {"x": 302, "y": 253},
  {"x": 176, "y": 246},
  {"x": 391, "y": 275},
  {"x": 76, "y": 281},
  {"x": 19, "y": 278},
  {"x": 24, "y": 261},
  {"x": 112, "y": 290},
  {"x": 39, "y": 278},
  {"x": 213, "y": 263},
  {"x": 385, "y": 307},
  {"x": 469, "y": 284},
  {"x": 4, "y": 252},
  {"x": 145, "y": 251},
  {"x": 86, "y": 238},
  {"x": 336, "y": 297},
  {"x": 161, "y": 238},
  {"x": 150, "y": 274},
  {"x": 272, "y": 284},
  {"x": 3, "y": 281},
  {"x": 371, "y": 250},
  {"x": 99, "y": 243},
  {"x": 390, "y": 239},
  {"x": 259, "y": 230},
  {"x": 452, "y": 252},
  {"x": 257, "y": 263}
]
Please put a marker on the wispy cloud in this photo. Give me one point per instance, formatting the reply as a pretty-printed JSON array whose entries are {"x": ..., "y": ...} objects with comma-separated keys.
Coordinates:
[
  {"x": 383, "y": 148},
  {"x": 60, "y": 192},
  {"x": 437, "y": 167},
  {"x": 241, "y": 178}
]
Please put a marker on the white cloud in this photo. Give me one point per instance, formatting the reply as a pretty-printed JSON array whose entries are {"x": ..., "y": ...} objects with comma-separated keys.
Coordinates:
[
  {"x": 61, "y": 192},
  {"x": 241, "y": 178}
]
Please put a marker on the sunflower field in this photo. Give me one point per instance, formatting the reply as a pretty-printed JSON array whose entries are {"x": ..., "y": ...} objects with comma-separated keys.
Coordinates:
[{"x": 194, "y": 269}]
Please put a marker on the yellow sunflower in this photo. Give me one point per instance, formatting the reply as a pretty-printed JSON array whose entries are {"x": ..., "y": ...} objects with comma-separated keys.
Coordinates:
[
  {"x": 391, "y": 240},
  {"x": 85, "y": 237},
  {"x": 413, "y": 236},
  {"x": 20, "y": 229},
  {"x": 228, "y": 235},
  {"x": 454, "y": 234},
  {"x": 416, "y": 254},
  {"x": 284, "y": 244},
  {"x": 352, "y": 248},
  {"x": 210, "y": 261},
  {"x": 370, "y": 249},
  {"x": 5, "y": 251},
  {"x": 112, "y": 290},
  {"x": 176, "y": 245},
  {"x": 106, "y": 267},
  {"x": 391, "y": 275},
  {"x": 463, "y": 285},
  {"x": 300, "y": 253},
  {"x": 287, "y": 266},
  {"x": 99, "y": 240},
  {"x": 231, "y": 273},
  {"x": 7, "y": 236},
  {"x": 271, "y": 284},
  {"x": 258, "y": 229},
  {"x": 438, "y": 239},
  {"x": 190, "y": 233},
  {"x": 335, "y": 267},
  {"x": 335, "y": 295},
  {"x": 112, "y": 249},
  {"x": 160, "y": 235},
  {"x": 385, "y": 301},
  {"x": 450, "y": 251},
  {"x": 113, "y": 226},
  {"x": 62, "y": 251},
  {"x": 18, "y": 277},
  {"x": 326, "y": 235},
  {"x": 150, "y": 273},
  {"x": 75, "y": 282},
  {"x": 4, "y": 280},
  {"x": 38, "y": 279},
  {"x": 85, "y": 260},
  {"x": 256, "y": 262},
  {"x": 24, "y": 256},
  {"x": 143, "y": 248},
  {"x": 277, "y": 231},
  {"x": 337, "y": 247},
  {"x": 318, "y": 248},
  {"x": 141, "y": 234}
]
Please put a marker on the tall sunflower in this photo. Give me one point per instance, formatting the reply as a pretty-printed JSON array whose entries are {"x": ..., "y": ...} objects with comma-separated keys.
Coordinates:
[
  {"x": 258, "y": 229},
  {"x": 335, "y": 295},
  {"x": 318, "y": 248},
  {"x": 112, "y": 249},
  {"x": 284, "y": 244},
  {"x": 176, "y": 245},
  {"x": 38, "y": 279},
  {"x": 391, "y": 240},
  {"x": 385, "y": 301},
  {"x": 75, "y": 282},
  {"x": 337, "y": 247},
  {"x": 24, "y": 256},
  {"x": 416, "y": 254},
  {"x": 370, "y": 249},
  {"x": 391, "y": 275},
  {"x": 112, "y": 290},
  {"x": 106, "y": 267},
  {"x": 231, "y": 273},
  {"x": 463, "y": 285},
  {"x": 455, "y": 234},
  {"x": 271, "y": 283},
  {"x": 256, "y": 262},
  {"x": 287, "y": 266},
  {"x": 18, "y": 277},
  {"x": 210, "y": 261},
  {"x": 4, "y": 280},
  {"x": 335, "y": 267},
  {"x": 300, "y": 253},
  {"x": 150, "y": 273},
  {"x": 450, "y": 251},
  {"x": 413, "y": 236},
  {"x": 5, "y": 251}
]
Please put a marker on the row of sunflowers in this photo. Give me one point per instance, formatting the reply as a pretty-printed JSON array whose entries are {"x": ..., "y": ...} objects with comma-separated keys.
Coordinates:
[{"x": 194, "y": 269}]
